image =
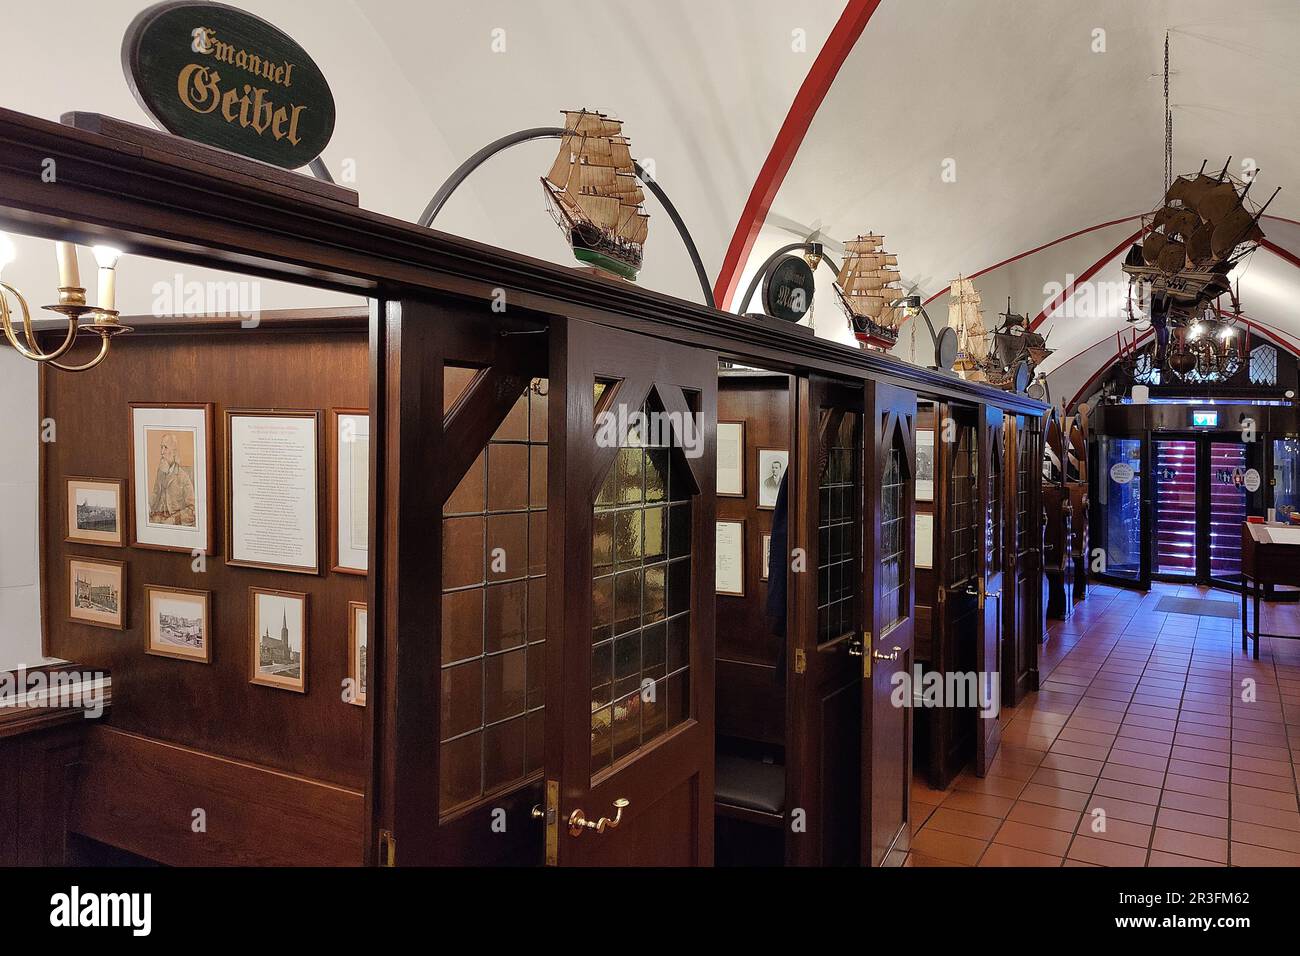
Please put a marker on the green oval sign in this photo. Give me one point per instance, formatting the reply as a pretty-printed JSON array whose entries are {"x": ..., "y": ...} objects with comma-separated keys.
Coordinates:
[{"x": 221, "y": 76}]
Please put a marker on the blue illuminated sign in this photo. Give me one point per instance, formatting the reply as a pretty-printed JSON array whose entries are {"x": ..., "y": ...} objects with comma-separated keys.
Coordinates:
[{"x": 1205, "y": 419}]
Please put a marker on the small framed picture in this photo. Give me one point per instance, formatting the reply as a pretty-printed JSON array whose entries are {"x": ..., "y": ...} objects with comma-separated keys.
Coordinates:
[
  {"x": 271, "y": 484},
  {"x": 772, "y": 463},
  {"x": 350, "y": 491},
  {"x": 731, "y": 460},
  {"x": 179, "y": 623},
  {"x": 357, "y": 647},
  {"x": 729, "y": 567},
  {"x": 924, "y": 464},
  {"x": 767, "y": 556},
  {"x": 97, "y": 592},
  {"x": 279, "y": 633},
  {"x": 171, "y": 476},
  {"x": 96, "y": 511}
]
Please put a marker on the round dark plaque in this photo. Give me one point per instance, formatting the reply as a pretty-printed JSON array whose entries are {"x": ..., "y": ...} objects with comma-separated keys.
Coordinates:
[{"x": 788, "y": 289}]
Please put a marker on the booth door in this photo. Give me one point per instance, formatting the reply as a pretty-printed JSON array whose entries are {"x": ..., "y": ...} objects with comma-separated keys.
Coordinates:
[
  {"x": 1022, "y": 587},
  {"x": 630, "y": 682},
  {"x": 988, "y": 586},
  {"x": 888, "y": 589},
  {"x": 824, "y": 671}
]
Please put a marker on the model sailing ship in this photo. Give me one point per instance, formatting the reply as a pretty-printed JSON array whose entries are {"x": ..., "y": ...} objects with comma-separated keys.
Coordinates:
[
  {"x": 992, "y": 357},
  {"x": 1200, "y": 232},
  {"x": 867, "y": 291},
  {"x": 594, "y": 194}
]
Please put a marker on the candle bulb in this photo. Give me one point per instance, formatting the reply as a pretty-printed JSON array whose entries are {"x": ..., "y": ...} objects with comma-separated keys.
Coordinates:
[
  {"x": 107, "y": 258},
  {"x": 69, "y": 277}
]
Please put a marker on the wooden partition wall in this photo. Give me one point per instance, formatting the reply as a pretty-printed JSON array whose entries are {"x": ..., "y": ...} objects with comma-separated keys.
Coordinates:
[
  {"x": 1058, "y": 547},
  {"x": 280, "y": 775}
]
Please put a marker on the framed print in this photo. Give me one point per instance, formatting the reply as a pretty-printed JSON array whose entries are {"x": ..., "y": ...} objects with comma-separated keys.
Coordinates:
[
  {"x": 97, "y": 592},
  {"x": 171, "y": 476},
  {"x": 924, "y": 464},
  {"x": 271, "y": 482},
  {"x": 731, "y": 460},
  {"x": 350, "y": 491},
  {"x": 730, "y": 558},
  {"x": 924, "y": 541},
  {"x": 179, "y": 623},
  {"x": 357, "y": 647},
  {"x": 772, "y": 463},
  {"x": 767, "y": 556},
  {"x": 96, "y": 511},
  {"x": 279, "y": 630}
]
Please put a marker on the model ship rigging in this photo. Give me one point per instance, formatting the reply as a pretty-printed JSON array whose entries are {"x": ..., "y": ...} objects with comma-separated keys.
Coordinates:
[
  {"x": 867, "y": 291},
  {"x": 594, "y": 195}
]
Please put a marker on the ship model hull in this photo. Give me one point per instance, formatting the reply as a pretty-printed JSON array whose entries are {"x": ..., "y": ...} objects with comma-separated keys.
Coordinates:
[
  {"x": 872, "y": 334},
  {"x": 594, "y": 246},
  {"x": 867, "y": 292}
]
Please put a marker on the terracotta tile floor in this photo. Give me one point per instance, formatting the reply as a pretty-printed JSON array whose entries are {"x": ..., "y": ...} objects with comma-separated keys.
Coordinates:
[{"x": 1142, "y": 747}]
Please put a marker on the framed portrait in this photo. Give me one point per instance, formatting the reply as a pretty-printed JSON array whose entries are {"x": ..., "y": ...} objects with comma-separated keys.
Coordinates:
[
  {"x": 279, "y": 634},
  {"x": 772, "y": 463},
  {"x": 924, "y": 464},
  {"x": 97, "y": 592},
  {"x": 350, "y": 491},
  {"x": 272, "y": 481},
  {"x": 96, "y": 511},
  {"x": 731, "y": 460},
  {"x": 729, "y": 568},
  {"x": 171, "y": 476},
  {"x": 179, "y": 623},
  {"x": 357, "y": 647},
  {"x": 767, "y": 556}
]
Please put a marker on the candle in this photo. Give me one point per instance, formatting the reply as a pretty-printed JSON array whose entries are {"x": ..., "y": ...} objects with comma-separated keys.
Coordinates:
[
  {"x": 69, "y": 277},
  {"x": 107, "y": 288}
]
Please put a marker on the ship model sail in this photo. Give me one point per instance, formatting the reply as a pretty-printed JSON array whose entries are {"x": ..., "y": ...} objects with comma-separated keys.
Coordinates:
[
  {"x": 965, "y": 317},
  {"x": 1014, "y": 342},
  {"x": 867, "y": 290},
  {"x": 594, "y": 194}
]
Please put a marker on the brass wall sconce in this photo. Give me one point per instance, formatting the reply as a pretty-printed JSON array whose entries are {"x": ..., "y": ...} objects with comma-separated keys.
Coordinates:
[{"x": 72, "y": 305}]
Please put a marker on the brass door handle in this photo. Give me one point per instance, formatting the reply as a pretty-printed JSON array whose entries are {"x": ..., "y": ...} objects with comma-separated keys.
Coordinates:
[
  {"x": 578, "y": 822},
  {"x": 994, "y": 594},
  {"x": 854, "y": 647},
  {"x": 887, "y": 657}
]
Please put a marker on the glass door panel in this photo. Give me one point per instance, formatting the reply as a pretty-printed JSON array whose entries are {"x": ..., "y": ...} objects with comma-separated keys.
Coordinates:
[
  {"x": 1286, "y": 476},
  {"x": 1227, "y": 510},
  {"x": 1119, "y": 499},
  {"x": 1175, "y": 507}
]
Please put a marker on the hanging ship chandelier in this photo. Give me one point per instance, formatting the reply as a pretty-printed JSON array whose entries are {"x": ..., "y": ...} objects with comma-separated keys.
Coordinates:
[{"x": 1204, "y": 227}]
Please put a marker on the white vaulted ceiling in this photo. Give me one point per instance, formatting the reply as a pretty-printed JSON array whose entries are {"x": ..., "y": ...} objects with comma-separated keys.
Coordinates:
[{"x": 772, "y": 118}]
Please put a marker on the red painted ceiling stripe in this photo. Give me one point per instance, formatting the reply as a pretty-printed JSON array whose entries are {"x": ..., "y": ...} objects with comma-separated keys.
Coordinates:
[
  {"x": 1277, "y": 250},
  {"x": 788, "y": 140},
  {"x": 1030, "y": 252},
  {"x": 1064, "y": 295}
]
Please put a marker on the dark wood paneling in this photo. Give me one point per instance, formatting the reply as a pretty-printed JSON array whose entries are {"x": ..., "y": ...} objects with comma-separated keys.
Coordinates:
[
  {"x": 141, "y": 794},
  {"x": 751, "y": 688},
  {"x": 9, "y": 801},
  {"x": 210, "y": 707}
]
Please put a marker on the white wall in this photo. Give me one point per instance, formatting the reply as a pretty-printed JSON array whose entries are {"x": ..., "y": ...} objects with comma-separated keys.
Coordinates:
[{"x": 20, "y": 613}]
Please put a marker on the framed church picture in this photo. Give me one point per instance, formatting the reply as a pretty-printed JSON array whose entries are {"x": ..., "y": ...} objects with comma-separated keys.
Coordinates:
[{"x": 279, "y": 633}]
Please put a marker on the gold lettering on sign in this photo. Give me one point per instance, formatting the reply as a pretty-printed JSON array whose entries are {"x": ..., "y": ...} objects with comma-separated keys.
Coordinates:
[
  {"x": 250, "y": 108},
  {"x": 197, "y": 86},
  {"x": 205, "y": 41}
]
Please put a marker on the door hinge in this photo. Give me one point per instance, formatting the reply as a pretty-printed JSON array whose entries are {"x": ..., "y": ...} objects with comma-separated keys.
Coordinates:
[
  {"x": 866, "y": 653},
  {"x": 387, "y": 848},
  {"x": 800, "y": 660}
]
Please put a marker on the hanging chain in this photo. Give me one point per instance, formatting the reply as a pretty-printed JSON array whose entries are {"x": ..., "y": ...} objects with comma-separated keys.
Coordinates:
[{"x": 1169, "y": 125}]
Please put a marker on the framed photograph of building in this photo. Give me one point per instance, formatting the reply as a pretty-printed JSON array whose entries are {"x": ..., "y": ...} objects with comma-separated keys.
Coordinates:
[
  {"x": 96, "y": 511},
  {"x": 271, "y": 482},
  {"x": 179, "y": 623},
  {"x": 357, "y": 650},
  {"x": 731, "y": 460},
  {"x": 279, "y": 634},
  {"x": 772, "y": 463},
  {"x": 350, "y": 491},
  {"x": 97, "y": 592},
  {"x": 171, "y": 476}
]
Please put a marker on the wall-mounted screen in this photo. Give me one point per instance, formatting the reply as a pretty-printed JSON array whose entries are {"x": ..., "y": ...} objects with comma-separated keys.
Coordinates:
[{"x": 1205, "y": 419}]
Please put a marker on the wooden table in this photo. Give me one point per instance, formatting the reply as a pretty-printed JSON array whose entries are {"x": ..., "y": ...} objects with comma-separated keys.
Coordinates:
[{"x": 1270, "y": 554}]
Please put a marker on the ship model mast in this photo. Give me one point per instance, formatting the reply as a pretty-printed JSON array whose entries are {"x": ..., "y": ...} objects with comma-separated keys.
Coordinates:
[
  {"x": 594, "y": 194},
  {"x": 867, "y": 290}
]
